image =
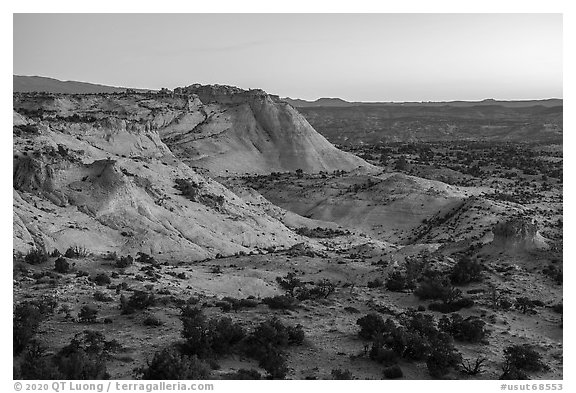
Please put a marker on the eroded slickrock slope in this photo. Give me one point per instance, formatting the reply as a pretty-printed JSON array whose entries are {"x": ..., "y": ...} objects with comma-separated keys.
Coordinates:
[{"x": 233, "y": 131}]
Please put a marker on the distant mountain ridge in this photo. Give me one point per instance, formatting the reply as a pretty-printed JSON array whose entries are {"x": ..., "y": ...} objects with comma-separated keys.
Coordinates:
[
  {"x": 338, "y": 102},
  {"x": 31, "y": 84}
]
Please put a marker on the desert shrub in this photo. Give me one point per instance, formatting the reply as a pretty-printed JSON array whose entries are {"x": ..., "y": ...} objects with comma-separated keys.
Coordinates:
[
  {"x": 230, "y": 303},
  {"x": 274, "y": 332},
  {"x": 87, "y": 314},
  {"x": 26, "y": 321},
  {"x": 453, "y": 306},
  {"x": 289, "y": 283},
  {"x": 396, "y": 282},
  {"x": 273, "y": 360},
  {"x": 37, "y": 365},
  {"x": 85, "y": 357},
  {"x": 381, "y": 354},
  {"x": 36, "y": 256},
  {"x": 206, "y": 338},
  {"x": 152, "y": 320},
  {"x": 195, "y": 331},
  {"x": 322, "y": 233},
  {"x": 443, "y": 357},
  {"x": 525, "y": 305},
  {"x": 170, "y": 364},
  {"x": 393, "y": 372},
  {"x": 376, "y": 283},
  {"x": 102, "y": 297},
  {"x": 466, "y": 271},
  {"x": 370, "y": 326},
  {"x": 323, "y": 289},
  {"x": 61, "y": 265},
  {"x": 224, "y": 335},
  {"x": 146, "y": 259},
  {"x": 101, "y": 279},
  {"x": 281, "y": 302},
  {"x": 416, "y": 346},
  {"x": 475, "y": 368},
  {"x": 76, "y": 252},
  {"x": 523, "y": 357},
  {"x": 140, "y": 300},
  {"x": 224, "y": 306},
  {"x": 243, "y": 374},
  {"x": 266, "y": 344},
  {"x": 420, "y": 323},
  {"x": 433, "y": 289},
  {"x": 124, "y": 261},
  {"x": 55, "y": 253},
  {"x": 471, "y": 329},
  {"x": 339, "y": 374},
  {"x": 512, "y": 373}
]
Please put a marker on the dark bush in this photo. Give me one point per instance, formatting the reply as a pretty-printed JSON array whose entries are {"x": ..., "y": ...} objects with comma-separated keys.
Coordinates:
[
  {"x": 383, "y": 355},
  {"x": 370, "y": 326},
  {"x": 525, "y": 305},
  {"x": 376, "y": 283},
  {"x": 289, "y": 283},
  {"x": 101, "y": 279},
  {"x": 471, "y": 329},
  {"x": 102, "y": 297},
  {"x": 87, "y": 314},
  {"x": 475, "y": 368},
  {"x": 281, "y": 302},
  {"x": 36, "y": 256},
  {"x": 451, "y": 307},
  {"x": 37, "y": 365},
  {"x": 273, "y": 360},
  {"x": 442, "y": 358},
  {"x": 61, "y": 265},
  {"x": 152, "y": 320},
  {"x": 224, "y": 335},
  {"x": 397, "y": 282},
  {"x": 146, "y": 259},
  {"x": 523, "y": 357},
  {"x": 205, "y": 338},
  {"x": 393, "y": 372},
  {"x": 433, "y": 289},
  {"x": 26, "y": 321},
  {"x": 76, "y": 252},
  {"x": 266, "y": 344},
  {"x": 466, "y": 271},
  {"x": 85, "y": 356},
  {"x": 140, "y": 300},
  {"x": 124, "y": 262},
  {"x": 170, "y": 364}
]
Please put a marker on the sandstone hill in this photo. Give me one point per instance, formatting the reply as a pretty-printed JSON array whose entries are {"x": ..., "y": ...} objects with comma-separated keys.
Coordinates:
[{"x": 114, "y": 171}]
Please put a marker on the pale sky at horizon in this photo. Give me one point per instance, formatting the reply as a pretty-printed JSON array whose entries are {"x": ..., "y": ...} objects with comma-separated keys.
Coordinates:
[{"x": 357, "y": 57}]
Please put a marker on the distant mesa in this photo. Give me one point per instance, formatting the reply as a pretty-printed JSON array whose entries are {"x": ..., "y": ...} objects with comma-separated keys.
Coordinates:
[
  {"x": 338, "y": 102},
  {"x": 31, "y": 84}
]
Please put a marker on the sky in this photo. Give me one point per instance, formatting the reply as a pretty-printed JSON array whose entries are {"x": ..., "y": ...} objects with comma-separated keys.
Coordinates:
[{"x": 357, "y": 57}]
